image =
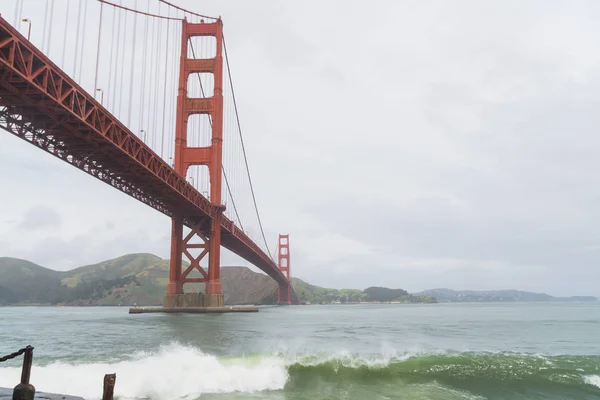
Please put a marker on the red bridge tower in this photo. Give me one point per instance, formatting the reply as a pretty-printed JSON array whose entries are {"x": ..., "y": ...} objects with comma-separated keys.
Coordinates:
[
  {"x": 207, "y": 229},
  {"x": 284, "y": 295}
]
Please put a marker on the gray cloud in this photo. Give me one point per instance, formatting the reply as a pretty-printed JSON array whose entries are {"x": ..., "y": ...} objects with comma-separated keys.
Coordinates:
[{"x": 40, "y": 218}]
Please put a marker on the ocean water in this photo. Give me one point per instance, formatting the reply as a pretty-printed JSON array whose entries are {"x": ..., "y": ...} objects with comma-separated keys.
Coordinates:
[{"x": 438, "y": 351}]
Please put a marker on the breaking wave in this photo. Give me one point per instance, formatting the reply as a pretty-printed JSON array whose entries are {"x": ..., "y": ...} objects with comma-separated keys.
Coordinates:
[{"x": 180, "y": 372}]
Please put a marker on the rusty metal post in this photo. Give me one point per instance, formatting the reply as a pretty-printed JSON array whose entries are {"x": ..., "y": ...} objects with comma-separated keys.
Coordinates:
[
  {"x": 108, "y": 389},
  {"x": 25, "y": 390},
  {"x": 27, "y": 362}
]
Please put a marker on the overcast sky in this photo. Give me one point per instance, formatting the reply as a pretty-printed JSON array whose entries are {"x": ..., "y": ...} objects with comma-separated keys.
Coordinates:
[{"x": 413, "y": 144}]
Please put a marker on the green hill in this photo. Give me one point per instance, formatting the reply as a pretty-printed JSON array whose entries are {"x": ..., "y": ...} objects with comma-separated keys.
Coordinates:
[
  {"x": 320, "y": 295},
  {"x": 24, "y": 282},
  {"x": 131, "y": 279},
  {"x": 142, "y": 279}
]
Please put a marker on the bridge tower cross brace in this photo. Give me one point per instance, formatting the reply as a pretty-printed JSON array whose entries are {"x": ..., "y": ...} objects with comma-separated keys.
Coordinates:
[
  {"x": 284, "y": 294},
  {"x": 208, "y": 229}
]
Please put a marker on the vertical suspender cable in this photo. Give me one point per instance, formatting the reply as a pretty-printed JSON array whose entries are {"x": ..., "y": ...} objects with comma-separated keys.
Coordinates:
[
  {"x": 21, "y": 11},
  {"x": 155, "y": 112},
  {"x": 77, "y": 40},
  {"x": 122, "y": 58},
  {"x": 16, "y": 19},
  {"x": 132, "y": 65},
  {"x": 85, "y": 3},
  {"x": 144, "y": 63},
  {"x": 44, "y": 31},
  {"x": 98, "y": 49},
  {"x": 172, "y": 106},
  {"x": 64, "y": 43},
  {"x": 113, "y": 88},
  {"x": 162, "y": 141},
  {"x": 110, "y": 62},
  {"x": 149, "y": 79},
  {"x": 50, "y": 26}
]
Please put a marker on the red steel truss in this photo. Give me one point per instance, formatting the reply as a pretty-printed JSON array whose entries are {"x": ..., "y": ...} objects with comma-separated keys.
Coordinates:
[{"x": 42, "y": 105}]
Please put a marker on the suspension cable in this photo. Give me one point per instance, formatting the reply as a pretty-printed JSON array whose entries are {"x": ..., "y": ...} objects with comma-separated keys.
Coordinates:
[
  {"x": 133, "y": 44},
  {"x": 162, "y": 141},
  {"x": 156, "y": 84},
  {"x": 112, "y": 51},
  {"x": 44, "y": 31},
  {"x": 77, "y": 40},
  {"x": 98, "y": 50},
  {"x": 50, "y": 26},
  {"x": 172, "y": 107},
  {"x": 16, "y": 20},
  {"x": 143, "y": 82},
  {"x": 243, "y": 148},
  {"x": 137, "y": 11},
  {"x": 186, "y": 11},
  {"x": 122, "y": 72},
  {"x": 21, "y": 10},
  {"x": 64, "y": 43},
  {"x": 150, "y": 79},
  {"x": 82, "y": 42}
]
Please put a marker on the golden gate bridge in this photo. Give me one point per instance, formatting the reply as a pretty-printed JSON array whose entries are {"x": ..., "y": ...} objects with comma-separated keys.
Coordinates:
[{"x": 149, "y": 109}]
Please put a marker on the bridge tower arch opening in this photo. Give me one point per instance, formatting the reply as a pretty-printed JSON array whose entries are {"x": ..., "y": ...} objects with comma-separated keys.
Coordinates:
[{"x": 205, "y": 232}]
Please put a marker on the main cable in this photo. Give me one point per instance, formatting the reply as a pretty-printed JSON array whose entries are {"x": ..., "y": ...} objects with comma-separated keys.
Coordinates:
[
  {"x": 186, "y": 11},
  {"x": 137, "y": 11},
  {"x": 243, "y": 147}
]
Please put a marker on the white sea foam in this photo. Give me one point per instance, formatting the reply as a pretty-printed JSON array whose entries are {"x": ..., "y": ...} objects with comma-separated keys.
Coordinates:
[
  {"x": 346, "y": 359},
  {"x": 174, "y": 372},
  {"x": 593, "y": 380}
]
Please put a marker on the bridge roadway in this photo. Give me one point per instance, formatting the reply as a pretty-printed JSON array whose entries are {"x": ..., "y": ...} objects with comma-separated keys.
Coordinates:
[{"x": 42, "y": 105}]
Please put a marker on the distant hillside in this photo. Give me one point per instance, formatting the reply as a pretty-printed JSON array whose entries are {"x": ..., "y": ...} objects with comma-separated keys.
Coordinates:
[
  {"x": 22, "y": 280},
  {"x": 132, "y": 279},
  {"x": 142, "y": 279},
  {"x": 319, "y": 295},
  {"x": 448, "y": 295}
]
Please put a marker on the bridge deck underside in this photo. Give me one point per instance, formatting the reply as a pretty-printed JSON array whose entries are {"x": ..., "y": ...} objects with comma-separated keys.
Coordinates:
[{"x": 40, "y": 104}]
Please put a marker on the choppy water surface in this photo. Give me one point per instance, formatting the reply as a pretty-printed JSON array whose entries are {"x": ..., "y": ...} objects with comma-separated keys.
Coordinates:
[{"x": 439, "y": 351}]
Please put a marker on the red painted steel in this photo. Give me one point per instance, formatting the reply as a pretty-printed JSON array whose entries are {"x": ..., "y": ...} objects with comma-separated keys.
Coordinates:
[
  {"x": 284, "y": 294},
  {"x": 211, "y": 156},
  {"x": 40, "y": 104}
]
